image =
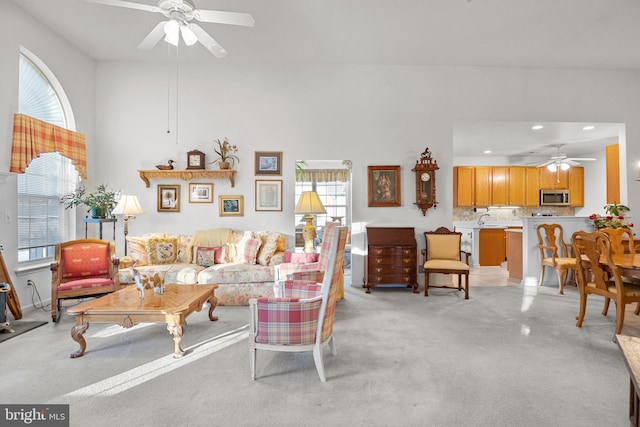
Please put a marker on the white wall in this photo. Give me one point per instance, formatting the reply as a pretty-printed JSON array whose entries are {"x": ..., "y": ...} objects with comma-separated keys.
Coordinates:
[
  {"x": 372, "y": 115},
  {"x": 76, "y": 73}
]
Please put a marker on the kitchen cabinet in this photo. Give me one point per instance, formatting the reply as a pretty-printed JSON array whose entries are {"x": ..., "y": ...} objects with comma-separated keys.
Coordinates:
[
  {"x": 514, "y": 253},
  {"x": 500, "y": 184},
  {"x": 552, "y": 180},
  {"x": 463, "y": 186},
  {"x": 532, "y": 188},
  {"x": 492, "y": 246},
  {"x": 480, "y": 186},
  {"x": 576, "y": 186}
]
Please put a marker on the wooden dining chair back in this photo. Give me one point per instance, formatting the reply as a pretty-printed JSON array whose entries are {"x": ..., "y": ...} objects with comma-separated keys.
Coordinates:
[
  {"x": 597, "y": 274},
  {"x": 443, "y": 254},
  {"x": 554, "y": 253},
  {"x": 622, "y": 242},
  {"x": 82, "y": 268}
]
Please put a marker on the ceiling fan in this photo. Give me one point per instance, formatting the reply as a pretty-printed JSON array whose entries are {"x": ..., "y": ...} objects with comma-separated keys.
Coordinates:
[
  {"x": 180, "y": 14},
  {"x": 561, "y": 161}
]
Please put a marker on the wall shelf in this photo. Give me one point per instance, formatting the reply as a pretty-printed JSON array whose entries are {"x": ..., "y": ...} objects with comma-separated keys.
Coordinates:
[{"x": 186, "y": 175}]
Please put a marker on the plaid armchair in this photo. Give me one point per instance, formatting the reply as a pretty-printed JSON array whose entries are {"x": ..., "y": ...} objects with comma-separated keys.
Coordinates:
[
  {"x": 82, "y": 268},
  {"x": 302, "y": 319}
]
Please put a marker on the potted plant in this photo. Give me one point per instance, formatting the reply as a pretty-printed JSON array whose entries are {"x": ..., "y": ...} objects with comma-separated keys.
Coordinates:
[
  {"x": 226, "y": 153},
  {"x": 100, "y": 203}
]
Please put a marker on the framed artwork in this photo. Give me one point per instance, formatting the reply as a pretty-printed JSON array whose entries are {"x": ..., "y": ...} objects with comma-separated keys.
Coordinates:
[
  {"x": 268, "y": 163},
  {"x": 200, "y": 193},
  {"x": 384, "y": 186},
  {"x": 168, "y": 198},
  {"x": 269, "y": 195},
  {"x": 231, "y": 205}
]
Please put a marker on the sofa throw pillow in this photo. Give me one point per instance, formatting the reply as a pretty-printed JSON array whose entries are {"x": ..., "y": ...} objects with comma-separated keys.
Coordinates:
[
  {"x": 268, "y": 246},
  {"x": 250, "y": 250},
  {"x": 162, "y": 250},
  {"x": 299, "y": 258},
  {"x": 137, "y": 250},
  {"x": 184, "y": 244},
  {"x": 206, "y": 256}
]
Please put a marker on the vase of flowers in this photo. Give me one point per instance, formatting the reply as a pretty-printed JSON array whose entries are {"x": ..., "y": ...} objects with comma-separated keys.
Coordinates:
[
  {"x": 614, "y": 218},
  {"x": 99, "y": 203},
  {"x": 226, "y": 153}
]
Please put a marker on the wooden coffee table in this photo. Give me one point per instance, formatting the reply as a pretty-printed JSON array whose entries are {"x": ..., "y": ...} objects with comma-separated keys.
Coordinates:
[{"x": 126, "y": 308}]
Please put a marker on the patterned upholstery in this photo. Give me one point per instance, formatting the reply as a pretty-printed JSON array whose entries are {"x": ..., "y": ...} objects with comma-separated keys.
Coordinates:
[
  {"x": 82, "y": 268},
  {"x": 302, "y": 320}
]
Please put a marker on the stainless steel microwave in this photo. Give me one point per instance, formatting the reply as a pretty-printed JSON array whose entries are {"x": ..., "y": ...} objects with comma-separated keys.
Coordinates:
[{"x": 554, "y": 197}]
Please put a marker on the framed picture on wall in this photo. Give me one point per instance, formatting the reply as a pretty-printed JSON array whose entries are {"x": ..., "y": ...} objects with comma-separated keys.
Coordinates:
[
  {"x": 168, "y": 198},
  {"x": 268, "y": 163},
  {"x": 269, "y": 195},
  {"x": 200, "y": 193},
  {"x": 384, "y": 186},
  {"x": 231, "y": 205}
]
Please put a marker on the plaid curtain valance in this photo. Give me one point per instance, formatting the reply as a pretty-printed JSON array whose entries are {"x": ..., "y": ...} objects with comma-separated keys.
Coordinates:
[
  {"x": 32, "y": 137},
  {"x": 322, "y": 175}
]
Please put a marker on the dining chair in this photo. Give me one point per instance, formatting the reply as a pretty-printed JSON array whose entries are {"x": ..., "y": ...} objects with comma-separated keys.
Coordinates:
[
  {"x": 554, "y": 253},
  {"x": 82, "y": 268},
  {"x": 443, "y": 254},
  {"x": 302, "y": 319},
  {"x": 622, "y": 242},
  {"x": 597, "y": 274}
]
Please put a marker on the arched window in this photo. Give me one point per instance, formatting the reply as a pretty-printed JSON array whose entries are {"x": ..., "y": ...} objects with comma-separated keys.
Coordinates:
[{"x": 42, "y": 219}]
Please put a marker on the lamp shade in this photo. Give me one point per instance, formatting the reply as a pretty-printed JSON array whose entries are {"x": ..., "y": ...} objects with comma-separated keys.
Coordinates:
[
  {"x": 309, "y": 203},
  {"x": 128, "y": 205}
]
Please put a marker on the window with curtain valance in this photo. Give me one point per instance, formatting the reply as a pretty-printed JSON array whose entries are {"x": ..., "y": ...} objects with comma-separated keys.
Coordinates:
[{"x": 323, "y": 175}]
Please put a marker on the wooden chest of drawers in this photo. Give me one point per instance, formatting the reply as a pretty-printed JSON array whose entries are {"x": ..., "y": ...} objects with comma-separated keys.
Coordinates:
[{"x": 392, "y": 257}]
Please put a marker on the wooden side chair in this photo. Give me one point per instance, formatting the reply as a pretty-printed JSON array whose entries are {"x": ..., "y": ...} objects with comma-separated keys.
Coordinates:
[
  {"x": 82, "y": 268},
  {"x": 442, "y": 254},
  {"x": 598, "y": 275},
  {"x": 554, "y": 253},
  {"x": 622, "y": 242},
  {"x": 302, "y": 319}
]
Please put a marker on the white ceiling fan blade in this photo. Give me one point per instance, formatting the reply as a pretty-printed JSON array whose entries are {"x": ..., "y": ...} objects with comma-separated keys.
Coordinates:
[
  {"x": 541, "y": 165},
  {"x": 571, "y": 162},
  {"x": 220, "y": 17},
  {"x": 127, "y": 4},
  {"x": 208, "y": 41},
  {"x": 582, "y": 159},
  {"x": 153, "y": 37}
]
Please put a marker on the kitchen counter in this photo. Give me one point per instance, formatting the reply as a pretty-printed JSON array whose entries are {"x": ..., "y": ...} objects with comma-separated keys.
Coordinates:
[{"x": 471, "y": 235}]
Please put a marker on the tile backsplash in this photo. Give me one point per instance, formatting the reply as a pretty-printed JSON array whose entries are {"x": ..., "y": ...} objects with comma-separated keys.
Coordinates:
[{"x": 496, "y": 214}]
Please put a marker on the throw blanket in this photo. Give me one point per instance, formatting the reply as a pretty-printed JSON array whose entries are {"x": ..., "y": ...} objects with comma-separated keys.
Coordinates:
[{"x": 215, "y": 237}]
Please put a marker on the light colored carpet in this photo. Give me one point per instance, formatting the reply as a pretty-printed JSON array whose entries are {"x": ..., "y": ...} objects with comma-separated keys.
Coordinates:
[{"x": 509, "y": 356}]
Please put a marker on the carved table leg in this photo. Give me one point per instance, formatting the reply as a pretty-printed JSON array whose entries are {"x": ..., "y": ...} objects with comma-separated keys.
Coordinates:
[
  {"x": 176, "y": 331},
  {"x": 76, "y": 334},
  {"x": 213, "y": 301}
]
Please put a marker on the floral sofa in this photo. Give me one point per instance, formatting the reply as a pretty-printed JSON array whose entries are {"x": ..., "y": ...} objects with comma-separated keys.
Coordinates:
[{"x": 240, "y": 262}]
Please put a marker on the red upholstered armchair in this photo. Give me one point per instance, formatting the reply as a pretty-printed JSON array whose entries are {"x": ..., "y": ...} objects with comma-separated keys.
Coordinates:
[
  {"x": 301, "y": 320},
  {"x": 82, "y": 268}
]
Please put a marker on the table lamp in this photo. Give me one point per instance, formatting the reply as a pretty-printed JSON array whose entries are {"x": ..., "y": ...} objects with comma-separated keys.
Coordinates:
[
  {"x": 129, "y": 207},
  {"x": 309, "y": 204}
]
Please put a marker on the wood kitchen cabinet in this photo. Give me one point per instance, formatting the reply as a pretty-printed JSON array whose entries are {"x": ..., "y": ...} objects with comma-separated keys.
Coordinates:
[
  {"x": 532, "y": 189},
  {"x": 492, "y": 246},
  {"x": 472, "y": 186},
  {"x": 552, "y": 180},
  {"x": 576, "y": 186},
  {"x": 480, "y": 186},
  {"x": 500, "y": 184},
  {"x": 392, "y": 257}
]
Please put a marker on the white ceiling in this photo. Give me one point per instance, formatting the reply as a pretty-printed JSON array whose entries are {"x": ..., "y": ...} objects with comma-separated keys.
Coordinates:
[{"x": 504, "y": 33}]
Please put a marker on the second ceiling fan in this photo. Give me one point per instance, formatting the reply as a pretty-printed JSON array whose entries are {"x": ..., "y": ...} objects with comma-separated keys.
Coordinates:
[
  {"x": 180, "y": 14},
  {"x": 562, "y": 161}
]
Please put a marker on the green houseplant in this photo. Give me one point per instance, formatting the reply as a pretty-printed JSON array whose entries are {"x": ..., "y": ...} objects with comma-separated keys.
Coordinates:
[
  {"x": 226, "y": 153},
  {"x": 100, "y": 203}
]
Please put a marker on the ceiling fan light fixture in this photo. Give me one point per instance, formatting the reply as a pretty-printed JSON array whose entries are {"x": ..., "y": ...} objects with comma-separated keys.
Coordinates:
[
  {"x": 564, "y": 166},
  {"x": 188, "y": 36},
  {"x": 171, "y": 30},
  {"x": 552, "y": 167}
]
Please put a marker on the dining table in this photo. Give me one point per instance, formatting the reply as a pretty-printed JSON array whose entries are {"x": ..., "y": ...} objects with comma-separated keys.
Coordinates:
[{"x": 628, "y": 264}]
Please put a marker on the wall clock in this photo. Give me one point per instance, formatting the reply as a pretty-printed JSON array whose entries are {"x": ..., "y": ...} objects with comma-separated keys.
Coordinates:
[
  {"x": 195, "y": 159},
  {"x": 425, "y": 171}
]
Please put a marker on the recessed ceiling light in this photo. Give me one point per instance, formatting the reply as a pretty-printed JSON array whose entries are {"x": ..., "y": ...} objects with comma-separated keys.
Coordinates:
[
  {"x": 537, "y": 127},
  {"x": 487, "y": 151},
  {"x": 588, "y": 128}
]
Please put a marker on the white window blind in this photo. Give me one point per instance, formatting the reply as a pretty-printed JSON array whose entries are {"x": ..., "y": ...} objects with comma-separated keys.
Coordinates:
[{"x": 42, "y": 219}]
